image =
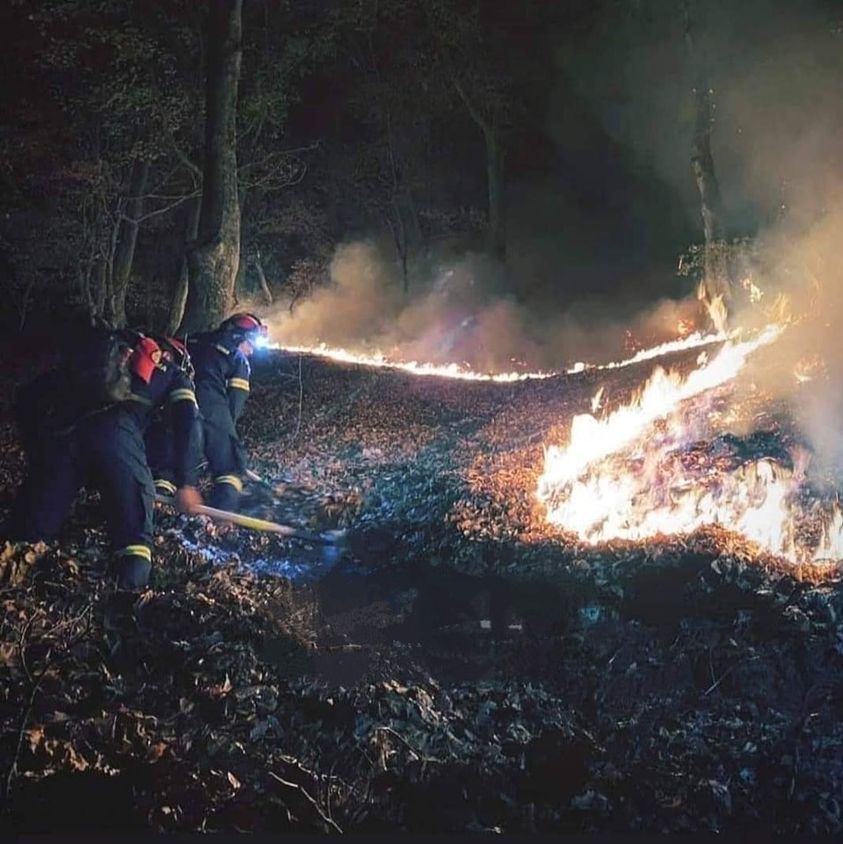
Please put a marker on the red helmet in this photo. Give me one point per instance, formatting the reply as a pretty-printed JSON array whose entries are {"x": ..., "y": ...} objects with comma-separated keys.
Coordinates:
[
  {"x": 176, "y": 352},
  {"x": 145, "y": 356},
  {"x": 244, "y": 327}
]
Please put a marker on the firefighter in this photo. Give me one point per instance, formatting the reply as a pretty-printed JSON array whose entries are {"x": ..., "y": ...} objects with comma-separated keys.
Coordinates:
[
  {"x": 104, "y": 446},
  {"x": 221, "y": 359},
  {"x": 161, "y": 449}
]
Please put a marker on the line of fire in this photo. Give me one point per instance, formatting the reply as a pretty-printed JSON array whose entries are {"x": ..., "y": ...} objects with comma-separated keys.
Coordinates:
[{"x": 421, "y": 416}]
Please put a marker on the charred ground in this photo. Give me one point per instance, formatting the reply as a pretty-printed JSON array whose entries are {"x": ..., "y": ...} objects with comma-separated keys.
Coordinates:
[{"x": 456, "y": 669}]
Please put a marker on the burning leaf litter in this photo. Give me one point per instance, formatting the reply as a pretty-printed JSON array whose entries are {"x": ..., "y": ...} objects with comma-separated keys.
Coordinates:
[
  {"x": 379, "y": 359},
  {"x": 622, "y": 476}
]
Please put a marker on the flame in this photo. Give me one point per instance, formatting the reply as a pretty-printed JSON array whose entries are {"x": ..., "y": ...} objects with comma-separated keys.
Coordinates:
[
  {"x": 380, "y": 360},
  {"x": 623, "y": 476},
  {"x": 831, "y": 542},
  {"x": 754, "y": 291},
  {"x": 684, "y": 327},
  {"x": 696, "y": 340},
  {"x": 454, "y": 370}
]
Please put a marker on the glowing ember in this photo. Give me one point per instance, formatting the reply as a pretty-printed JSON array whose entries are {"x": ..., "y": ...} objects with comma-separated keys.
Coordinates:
[{"x": 624, "y": 476}]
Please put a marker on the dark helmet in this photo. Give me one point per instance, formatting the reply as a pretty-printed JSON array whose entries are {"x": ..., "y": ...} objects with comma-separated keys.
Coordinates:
[{"x": 244, "y": 327}]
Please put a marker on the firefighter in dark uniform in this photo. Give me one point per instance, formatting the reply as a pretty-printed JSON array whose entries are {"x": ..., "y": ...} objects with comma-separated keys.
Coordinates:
[
  {"x": 105, "y": 448},
  {"x": 221, "y": 360},
  {"x": 161, "y": 448}
]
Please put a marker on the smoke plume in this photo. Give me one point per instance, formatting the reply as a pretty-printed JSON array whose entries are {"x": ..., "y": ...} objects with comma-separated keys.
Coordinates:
[{"x": 459, "y": 311}]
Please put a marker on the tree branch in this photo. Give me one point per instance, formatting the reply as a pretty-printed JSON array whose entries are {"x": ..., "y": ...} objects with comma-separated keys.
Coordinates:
[{"x": 296, "y": 787}]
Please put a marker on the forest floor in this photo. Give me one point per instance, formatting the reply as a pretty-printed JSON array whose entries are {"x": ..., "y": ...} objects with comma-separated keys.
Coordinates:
[{"x": 456, "y": 668}]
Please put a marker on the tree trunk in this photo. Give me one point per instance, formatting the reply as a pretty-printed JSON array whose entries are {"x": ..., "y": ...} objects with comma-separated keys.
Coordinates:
[
  {"x": 395, "y": 220},
  {"x": 494, "y": 175},
  {"x": 215, "y": 257},
  {"x": 715, "y": 289},
  {"x": 179, "y": 299},
  {"x": 102, "y": 287},
  {"x": 267, "y": 293},
  {"x": 414, "y": 218},
  {"x": 127, "y": 238}
]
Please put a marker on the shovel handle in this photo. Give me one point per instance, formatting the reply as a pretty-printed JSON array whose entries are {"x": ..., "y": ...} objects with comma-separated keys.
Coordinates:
[{"x": 253, "y": 523}]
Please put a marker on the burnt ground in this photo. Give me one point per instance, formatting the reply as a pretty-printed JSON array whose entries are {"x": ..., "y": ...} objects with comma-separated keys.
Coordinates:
[{"x": 456, "y": 668}]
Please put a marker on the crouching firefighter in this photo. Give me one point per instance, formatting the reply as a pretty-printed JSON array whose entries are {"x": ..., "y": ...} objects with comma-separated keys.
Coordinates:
[
  {"x": 84, "y": 424},
  {"x": 223, "y": 372},
  {"x": 162, "y": 451}
]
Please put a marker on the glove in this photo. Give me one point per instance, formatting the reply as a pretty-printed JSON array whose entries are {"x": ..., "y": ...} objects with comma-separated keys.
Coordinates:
[{"x": 187, "y": 499}]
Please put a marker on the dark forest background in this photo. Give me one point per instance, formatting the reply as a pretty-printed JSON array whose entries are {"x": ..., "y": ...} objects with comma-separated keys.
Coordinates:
[{"x": 554, "y": 138}]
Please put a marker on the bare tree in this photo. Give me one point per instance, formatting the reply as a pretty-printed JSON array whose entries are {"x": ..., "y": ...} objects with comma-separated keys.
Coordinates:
[{"x": 131, "y": 209}]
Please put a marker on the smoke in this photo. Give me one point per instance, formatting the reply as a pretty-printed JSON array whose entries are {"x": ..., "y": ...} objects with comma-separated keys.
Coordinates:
[
  {"x": 801, "y": 275},
  {"x": 458, "y": 310}
]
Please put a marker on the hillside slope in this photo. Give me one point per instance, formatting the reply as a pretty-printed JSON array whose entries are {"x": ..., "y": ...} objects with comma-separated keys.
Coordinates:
[{"x": 458, "y": 668}]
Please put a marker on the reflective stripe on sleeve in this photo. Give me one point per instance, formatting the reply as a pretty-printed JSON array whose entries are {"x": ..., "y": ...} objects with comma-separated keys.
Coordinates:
[
  {"x": 136, "y": 551},
  {"x": 140, "y": 399},
  {"x": 231, "y": 480},
  {"x": 183, "y": 394},
  {"x": 238, "y": 384},
  {"x": 165, "y": 485}
]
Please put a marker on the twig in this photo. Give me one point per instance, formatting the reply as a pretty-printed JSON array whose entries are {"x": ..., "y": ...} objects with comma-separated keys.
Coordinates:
[
  {"x": 163, "y": 210},
  {"x": 328, "y": 790},
  {"x": 348, "y": 648},
  {"x": 22, "y": 641},
  {"x": 301, "y": 397},
  {"x": 194, "y": 170},
  {"x": 417, "y": 753},
  {"x": 296, "y": 787},
  {"x": 24, "y": 720},
  {"x": 724, "y": 675}
]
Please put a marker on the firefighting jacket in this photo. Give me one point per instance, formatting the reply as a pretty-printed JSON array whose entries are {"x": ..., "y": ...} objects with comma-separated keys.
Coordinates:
[
  {"x": 168, "y": 387},
  {"x": 222, "y": 376},
  {"x": 46, "y": 408}
]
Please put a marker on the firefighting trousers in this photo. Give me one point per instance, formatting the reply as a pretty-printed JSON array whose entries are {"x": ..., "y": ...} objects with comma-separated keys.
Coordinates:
[
  {"x": 108, "y": 454},
  {"x": 161, "y": 454},
  {"x": 225, "y": 457}
]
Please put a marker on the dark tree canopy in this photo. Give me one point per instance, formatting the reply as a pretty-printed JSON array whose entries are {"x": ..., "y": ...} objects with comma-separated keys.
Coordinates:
[{"x": 553, "y": 136}]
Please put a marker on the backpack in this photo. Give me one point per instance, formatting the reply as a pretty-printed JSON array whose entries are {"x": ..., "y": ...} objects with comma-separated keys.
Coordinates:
[
  {"x": 94, "y": 374},
  {"x": 98, "y": 367}
]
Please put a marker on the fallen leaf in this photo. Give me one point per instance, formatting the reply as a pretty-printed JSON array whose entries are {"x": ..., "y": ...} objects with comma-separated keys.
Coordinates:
[
  {"x": 35, "y": 736},
  {"x": 156, "y": 751}
]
